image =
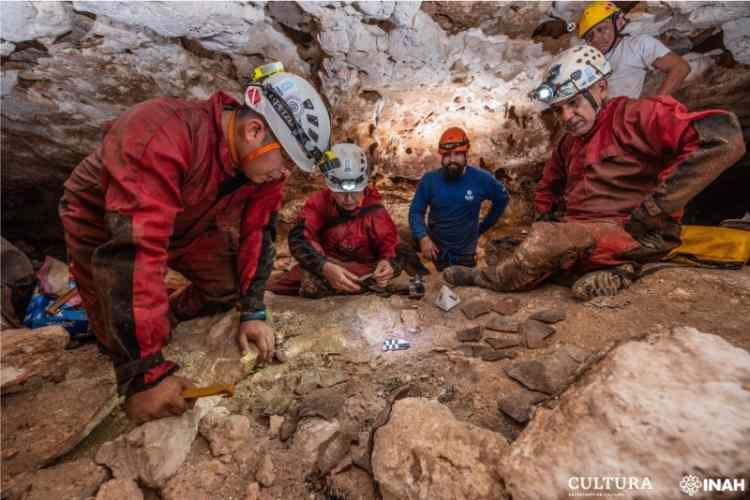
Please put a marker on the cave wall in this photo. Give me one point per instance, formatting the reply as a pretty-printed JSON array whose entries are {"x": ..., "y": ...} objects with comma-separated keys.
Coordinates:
[{"x": 395, "y": 74}]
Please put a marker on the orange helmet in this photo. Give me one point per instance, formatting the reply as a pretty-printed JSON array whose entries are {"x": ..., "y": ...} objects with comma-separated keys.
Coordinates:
[{"x": 453, "y": 139}]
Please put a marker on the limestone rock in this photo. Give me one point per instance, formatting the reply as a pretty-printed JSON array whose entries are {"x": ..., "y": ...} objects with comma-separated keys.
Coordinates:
[
  {"x": 31, "y": 357},
  {"x": 493, "y": 355},
  {"x": 275, "y": 423},
  {"x": 680, "y": 397},
  {"x": 333, "y": 451},
  {"x": 550, "y": 373},
  {"x": 354, "y": 482},
  {"x": 225, "y": 434},
  {"x": 206, "y": 348},
  {"x": 154, "y": 451},
  {"x": 70, "y": 480},
  {"x": 502, "y": 324},
  {"x": 477, "y": 308},
  {"x": 253, "y": 492},
  {"x": 504, "y": 343},
  {"x": 266, "y": 474},
  {"x": 120, "y": 489},
  {"x": 42, "y": 425},
  {"x": 535, "y": 332},
  {"x": 549, "y": 316},
  {"x": 424, "y": 452},
  {"x": 197, "y": 481},
  {"x": 473, "y": 334},
  {"x": 310, "y": 435},
  {"x": 519, "y": 404},
  {"x": 22, "y": 21},
  {"x": 506, "y": 306}
]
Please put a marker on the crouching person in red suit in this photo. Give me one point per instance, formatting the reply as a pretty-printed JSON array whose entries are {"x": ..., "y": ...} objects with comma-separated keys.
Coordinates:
[{"x": 343, "y": 235}]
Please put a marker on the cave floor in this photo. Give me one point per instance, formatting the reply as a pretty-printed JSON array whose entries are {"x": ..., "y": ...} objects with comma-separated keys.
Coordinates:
[{"x": 337, "y": 342}]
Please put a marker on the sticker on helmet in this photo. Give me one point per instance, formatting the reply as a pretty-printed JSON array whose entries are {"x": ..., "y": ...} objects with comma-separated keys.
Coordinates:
[
  {"x": 252, "y": 96},
  {"x": 284, "y": 87}
]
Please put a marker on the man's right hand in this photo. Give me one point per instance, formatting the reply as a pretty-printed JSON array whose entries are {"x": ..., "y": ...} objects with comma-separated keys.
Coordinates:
[
  {"x": 163, "y": 400},
  {"x": 340, "y": 279},
  {"x": 428, "y": 249}
]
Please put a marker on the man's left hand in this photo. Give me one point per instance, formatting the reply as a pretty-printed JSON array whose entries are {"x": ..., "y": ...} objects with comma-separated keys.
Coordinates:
[
  {"x": 383, "y": 272},
  {"x": 258, "y": 333}
]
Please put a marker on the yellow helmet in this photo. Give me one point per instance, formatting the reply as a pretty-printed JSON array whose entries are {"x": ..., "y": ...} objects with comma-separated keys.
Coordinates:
[{"x": 595, "y": 13}]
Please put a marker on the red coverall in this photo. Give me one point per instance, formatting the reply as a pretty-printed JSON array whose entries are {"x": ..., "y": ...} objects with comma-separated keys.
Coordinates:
[
  {"x": 648, "y": 153},
  {"x": 356, "y": 240},
  {"x": 161, "y": 190}
]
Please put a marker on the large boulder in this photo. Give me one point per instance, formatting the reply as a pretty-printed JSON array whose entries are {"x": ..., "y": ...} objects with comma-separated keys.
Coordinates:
[
  {"x": 423, "y": 452},
  {"x": 42, "y": 425},
  {"x": 76, "y": 480},
  {"x": 31, "y": 357},
  {"x": 153, "y": 452},
  {"x": 654, "y": 410}
]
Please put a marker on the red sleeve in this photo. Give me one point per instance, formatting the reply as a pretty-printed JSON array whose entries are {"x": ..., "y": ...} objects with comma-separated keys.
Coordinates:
[
  {"x": 693, "y": 149},
  {"x": 257, "y": 244},
  {"x": 144, "y": 164},
  {"x": 313, "y": 215},
  {"x": 659, "y": 127},
  {"x": 304, "y": 238},
  {"x": 385, "y": 234},
  {"x": 550, "y": 187}
]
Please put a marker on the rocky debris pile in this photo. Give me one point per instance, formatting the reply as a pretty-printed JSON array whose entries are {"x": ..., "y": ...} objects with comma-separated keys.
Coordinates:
[
  {"x": 642, "y": 412},
  {"x": 31, "y": 439},
  {"x": 530, "y": 333},
  {"x": 424, "y": 452},
  {"x": 32, "y": 357}
]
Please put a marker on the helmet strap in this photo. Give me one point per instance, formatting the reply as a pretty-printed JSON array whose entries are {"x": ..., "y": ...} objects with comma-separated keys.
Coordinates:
[
  {"x": 252, "y": 155},
  {"x": 230, "y": 136},
  {"x": 591, "y": 100},
  {"x": 260, "y": 152}
]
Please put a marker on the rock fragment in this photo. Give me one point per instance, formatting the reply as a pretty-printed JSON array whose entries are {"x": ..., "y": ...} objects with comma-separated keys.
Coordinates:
[
  {"x": 534, "y": 333},
  {"x": 473, "y": 334},
  {"x": 549, "y": 316},
  {"x": 477, "y": 308}
]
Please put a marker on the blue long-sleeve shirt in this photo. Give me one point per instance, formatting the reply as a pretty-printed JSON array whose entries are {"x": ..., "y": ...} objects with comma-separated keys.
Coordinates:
[{"x": 453, "y": 223}]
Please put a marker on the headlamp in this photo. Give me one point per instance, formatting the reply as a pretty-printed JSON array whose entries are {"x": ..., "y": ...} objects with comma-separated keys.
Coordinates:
[
  {"x": 266, "y": 70},
  {"x": 328, "y": 161},
  {"x": 453, "y": 145},
  {"x": 348, "y": 186},
  {"x": 544, "y": 93}
]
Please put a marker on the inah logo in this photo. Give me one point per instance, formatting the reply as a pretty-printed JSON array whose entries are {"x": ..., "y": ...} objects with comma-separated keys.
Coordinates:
[
  {"x": 691, "y": 484},
  {"x": 469, "y": 195}
]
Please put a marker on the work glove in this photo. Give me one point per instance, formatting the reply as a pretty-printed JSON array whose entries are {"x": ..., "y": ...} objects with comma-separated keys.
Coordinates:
[{"x": 656, "y": 233}]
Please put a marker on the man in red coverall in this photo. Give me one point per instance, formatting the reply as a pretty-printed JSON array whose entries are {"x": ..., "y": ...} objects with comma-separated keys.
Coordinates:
[
  {"x": 343, "y": 233},
  {"x": 617, "y": 182},
  {"x": 194, "y": 185}
]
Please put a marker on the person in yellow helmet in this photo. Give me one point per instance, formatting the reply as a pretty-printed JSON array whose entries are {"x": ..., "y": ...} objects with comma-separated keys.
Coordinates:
[{"x": 631, "y": 56}]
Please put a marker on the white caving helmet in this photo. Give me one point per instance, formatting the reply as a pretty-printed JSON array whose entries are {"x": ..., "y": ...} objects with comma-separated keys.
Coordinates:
[
  {"x": 573, "y": 71},
  {"x": 345, "y": 168},
  {"x": 294, "y": 111}
]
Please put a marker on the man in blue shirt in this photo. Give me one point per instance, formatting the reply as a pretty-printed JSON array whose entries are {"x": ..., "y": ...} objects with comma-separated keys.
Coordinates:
[{"x": 454, "y": 194}]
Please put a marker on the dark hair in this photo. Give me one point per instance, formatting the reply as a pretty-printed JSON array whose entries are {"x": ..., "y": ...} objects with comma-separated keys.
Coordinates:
[{"x": 245, "y": 113}]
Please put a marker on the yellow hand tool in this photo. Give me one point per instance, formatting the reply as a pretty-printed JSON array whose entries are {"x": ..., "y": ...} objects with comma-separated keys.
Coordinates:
[{"x": 210, "y": 390}]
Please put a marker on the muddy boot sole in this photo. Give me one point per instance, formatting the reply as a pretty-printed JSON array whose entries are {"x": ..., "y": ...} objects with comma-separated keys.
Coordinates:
[
  {"x": 605, "y": 283},
  {"x": 461, "y": 276}
]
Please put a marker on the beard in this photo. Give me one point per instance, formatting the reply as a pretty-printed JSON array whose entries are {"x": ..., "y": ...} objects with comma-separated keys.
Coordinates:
[{"x": 452, "y": 171}]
